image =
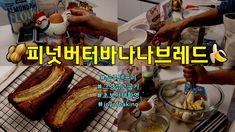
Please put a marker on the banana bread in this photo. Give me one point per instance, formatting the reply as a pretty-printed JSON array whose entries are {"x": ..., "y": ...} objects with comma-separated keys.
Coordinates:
[
  {"x": 40, "y": 90},
  {"x": 76, "y": 109}
]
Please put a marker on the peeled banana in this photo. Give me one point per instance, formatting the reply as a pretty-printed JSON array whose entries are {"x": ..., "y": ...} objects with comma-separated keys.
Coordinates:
[{"x": 191, "y": 104}]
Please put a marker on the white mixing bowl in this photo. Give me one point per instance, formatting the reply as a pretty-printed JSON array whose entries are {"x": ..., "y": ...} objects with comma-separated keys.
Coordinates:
[{"x": 135, "y": 37}]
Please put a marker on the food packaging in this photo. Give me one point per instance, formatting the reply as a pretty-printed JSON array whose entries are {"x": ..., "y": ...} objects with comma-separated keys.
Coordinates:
[
  {"x": 100, "y": 61},
  {"x": 167, "y": 9},
  {"x": 86, "y": 6},
  {"x": 199, "y": 91},
  {"x": 176, "y": 5},
  {"x": 48, "y": 6},
  {"x": 160, "y": 12},
  {"x": 91, "y": 40},
  {"x": 71, "y": 4},
  {"x": 153, "y": 17},
  {"x": 26, "y": 34},
  {"x": 20, "y": 12}
]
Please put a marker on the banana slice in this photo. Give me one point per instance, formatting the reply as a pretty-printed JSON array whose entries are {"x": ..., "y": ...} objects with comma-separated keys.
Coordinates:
[
  {"x": 186, "y": 116},
  {"x": 190, "y": 97}
]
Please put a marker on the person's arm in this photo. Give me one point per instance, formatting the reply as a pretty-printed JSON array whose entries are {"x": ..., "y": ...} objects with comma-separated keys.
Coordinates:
[
  {"x": 86, "y": 22},
  {"x": 200, "y": 75},
  {"x": 110, "y": 30},
  {"x": 220, "y": 77},
  {"x": 208, "y": 18},
  {"x": 172, "y": 31},
  {"x": 212, "y": 16}
]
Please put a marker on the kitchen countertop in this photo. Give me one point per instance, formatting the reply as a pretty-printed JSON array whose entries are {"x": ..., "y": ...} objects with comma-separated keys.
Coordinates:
[
  {"x": 105, "y": 9},
  {"x": 177, "y": 72},
  {"x": 178, "y": 126},
  {"x": 215, "y": 33},
  {"x": 7, "y": 38}
]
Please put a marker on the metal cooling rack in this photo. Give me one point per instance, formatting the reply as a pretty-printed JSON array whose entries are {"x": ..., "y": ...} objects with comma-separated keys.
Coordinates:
[{"x": 12, "y": 120}]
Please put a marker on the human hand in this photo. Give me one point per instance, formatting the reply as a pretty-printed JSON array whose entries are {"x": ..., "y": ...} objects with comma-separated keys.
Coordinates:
[
  {"x": 196, "y": 74},
  {"x": 170, "y": 32},
  {"x": 84, "y": 21}
]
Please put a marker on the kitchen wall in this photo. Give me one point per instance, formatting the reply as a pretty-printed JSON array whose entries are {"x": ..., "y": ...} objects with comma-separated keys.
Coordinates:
[
  {"x": 4, "y": 18},
  {"x": 106, "y": 9},
  {"x": 129, "y": 9}
]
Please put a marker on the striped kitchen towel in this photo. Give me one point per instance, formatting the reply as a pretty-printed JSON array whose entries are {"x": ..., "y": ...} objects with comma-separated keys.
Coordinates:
[{"x": 216, "y": 123}]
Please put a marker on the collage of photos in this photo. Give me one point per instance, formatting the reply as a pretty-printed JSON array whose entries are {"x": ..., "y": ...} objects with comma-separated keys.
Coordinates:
[{"x": 117, "y": 65}]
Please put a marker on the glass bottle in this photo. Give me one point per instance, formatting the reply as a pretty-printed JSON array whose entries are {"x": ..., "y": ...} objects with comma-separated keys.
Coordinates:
[{"x": 148, "y": 86}]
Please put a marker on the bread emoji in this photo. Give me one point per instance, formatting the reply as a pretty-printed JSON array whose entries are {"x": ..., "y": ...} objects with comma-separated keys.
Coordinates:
[{"x": 56, "y": 18}]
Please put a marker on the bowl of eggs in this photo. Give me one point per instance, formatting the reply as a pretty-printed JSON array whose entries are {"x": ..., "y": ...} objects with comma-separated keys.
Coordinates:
[
  {"x": 132, "y": 37},
  {"x": 193, "y": 105}
]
